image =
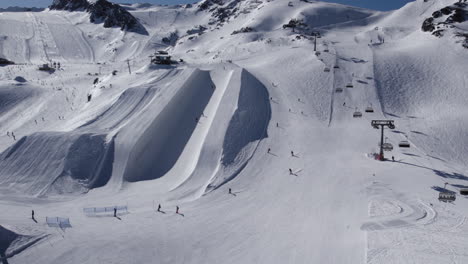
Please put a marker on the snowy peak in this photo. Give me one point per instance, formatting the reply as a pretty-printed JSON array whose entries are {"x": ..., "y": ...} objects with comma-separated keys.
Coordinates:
[
  {"x": 102, "y": 11},
  {"x": 452, "y": 18},
  {"x": 113, "y": 15},
  {"x": 69, "y": 5}
]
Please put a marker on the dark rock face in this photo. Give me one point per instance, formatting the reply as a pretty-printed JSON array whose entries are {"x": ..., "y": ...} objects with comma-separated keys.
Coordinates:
[
  {"x": 102, "y": 11},
  {"x": 444, "y": 19},
  {"x": 69, "y": 5},
  {"x": 113, "y": 15},
  {"x": 428, "y": 25}
]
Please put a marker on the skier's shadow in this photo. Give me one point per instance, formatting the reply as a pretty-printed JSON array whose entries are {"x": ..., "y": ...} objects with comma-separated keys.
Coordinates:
[
  {"x": 181, "y": 214},
  {"x": 273, "y": 154},
  {"x": 118, "y": 218},
  {"x": 161, "y": 211},
  {"x": 34, "y": 220},
  {"x": 233, "y": 194},
  {"x": 295, "y": 156}
]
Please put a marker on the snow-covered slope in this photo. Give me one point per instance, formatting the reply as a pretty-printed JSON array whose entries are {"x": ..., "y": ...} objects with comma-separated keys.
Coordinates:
[{"x": 251, "y": 135}]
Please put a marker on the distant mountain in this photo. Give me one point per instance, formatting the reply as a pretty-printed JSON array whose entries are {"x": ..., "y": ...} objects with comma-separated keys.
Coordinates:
[
  {"x": 21, "y": 9},
  {"x": 102, "y": 11}
]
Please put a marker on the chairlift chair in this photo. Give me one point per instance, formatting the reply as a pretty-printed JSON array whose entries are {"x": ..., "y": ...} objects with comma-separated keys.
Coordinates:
[
  {"x": 404, "y": 144},
  {"x": 339, "y": 90},
  {"x": 387, "y": 147},
  {"x": 336, "y": 67},
  {"x": 326, "y": 50},
  {"x": 349, "y": 85},
  {"x": 369, "y": 109},
  {"x": 326, "y": 69},
  {"x": 357, "y": 114},
  {"x": 317, "y": 53}
]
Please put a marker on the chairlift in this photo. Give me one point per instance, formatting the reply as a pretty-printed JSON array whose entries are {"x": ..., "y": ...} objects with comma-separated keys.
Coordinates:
[
  {"x": 357, "y": 114},
  {"x": 336, "y": 67},
  {"x": 326, "y": 50},
  {"x": 369, "y": 109},
  {"x": 349, "y": 85},
  {"x": 447, "y": 197},
  {"x": 339, "y": 90},
  {"x": 326, "y": 69},
  {"x": 387, "y": 147},
  {"x": 404, "y": 144},
  {"x": 317, "y": 53},
  {"x": 464, "y": 191}
]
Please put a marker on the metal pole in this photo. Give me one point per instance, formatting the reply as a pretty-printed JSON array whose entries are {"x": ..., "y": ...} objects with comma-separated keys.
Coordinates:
[
  {"x": 381, "y": 144},
  {"x": 315, "y": 42}
]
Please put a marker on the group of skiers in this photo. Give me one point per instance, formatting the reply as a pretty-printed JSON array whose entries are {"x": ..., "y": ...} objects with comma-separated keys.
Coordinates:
[{"x": 12, "y": 135}]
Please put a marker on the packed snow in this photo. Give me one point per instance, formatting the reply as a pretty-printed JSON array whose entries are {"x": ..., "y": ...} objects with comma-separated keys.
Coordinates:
[{"x": 245, "y": 149}]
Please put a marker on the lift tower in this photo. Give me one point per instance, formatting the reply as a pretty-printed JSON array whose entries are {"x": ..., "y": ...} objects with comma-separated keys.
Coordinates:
[{"x": 382, "y": 124}]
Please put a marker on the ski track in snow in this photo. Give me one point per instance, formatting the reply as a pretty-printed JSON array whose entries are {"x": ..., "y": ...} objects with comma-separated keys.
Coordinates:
[{"x": 240, "y": 113}]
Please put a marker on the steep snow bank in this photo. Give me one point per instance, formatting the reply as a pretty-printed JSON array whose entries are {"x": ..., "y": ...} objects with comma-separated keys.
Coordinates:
[{"x": 164, "y": 140}]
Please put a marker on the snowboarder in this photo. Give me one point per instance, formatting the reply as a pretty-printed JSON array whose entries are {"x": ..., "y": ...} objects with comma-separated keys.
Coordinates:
[
  {"x": 393, "y": 158},
  {"x": 159, "y": 207},
  {"x": 115, "y": 211},
  {"x": 177, "y": 210}
]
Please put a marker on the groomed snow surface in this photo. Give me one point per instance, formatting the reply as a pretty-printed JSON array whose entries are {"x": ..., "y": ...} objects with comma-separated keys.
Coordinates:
[{"x": 255, "y": 113}]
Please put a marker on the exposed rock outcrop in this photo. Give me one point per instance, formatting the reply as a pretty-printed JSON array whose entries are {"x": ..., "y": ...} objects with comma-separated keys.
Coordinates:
[{"x": 102, "y": 11}]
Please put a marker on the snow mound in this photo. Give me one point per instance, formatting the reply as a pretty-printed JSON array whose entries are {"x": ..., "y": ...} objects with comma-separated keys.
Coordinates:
[{"x": 55, "y": 163}]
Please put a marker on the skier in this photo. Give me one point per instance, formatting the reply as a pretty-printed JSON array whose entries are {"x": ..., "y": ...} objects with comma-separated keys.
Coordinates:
[
  {"x": 8, "y": 133},
  {"x": 196, "y": 119},
  {"x": 43, "y": 119},
  {"x": 393, "y": 158},
  {"x": 289, "y": 109},
  {"x": 292, "y": 153},
  {"x": 277, "y": 125},
  {"x": 177, "y": 210},
  {"x": 13, "y": 135},
  {"x": 230, "y": 191},
  {"x": 344, "y": 103},
  {"x": 268, "y": 150},
  {"x": 35, "y": 121},
  {"x": 32, "y": 215},
  {"x": 298, "y": 99},
  {"x": 115, "y": 212},
  {"x": 159, "y": 207},
  {"x": 290, "y": 171}
]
